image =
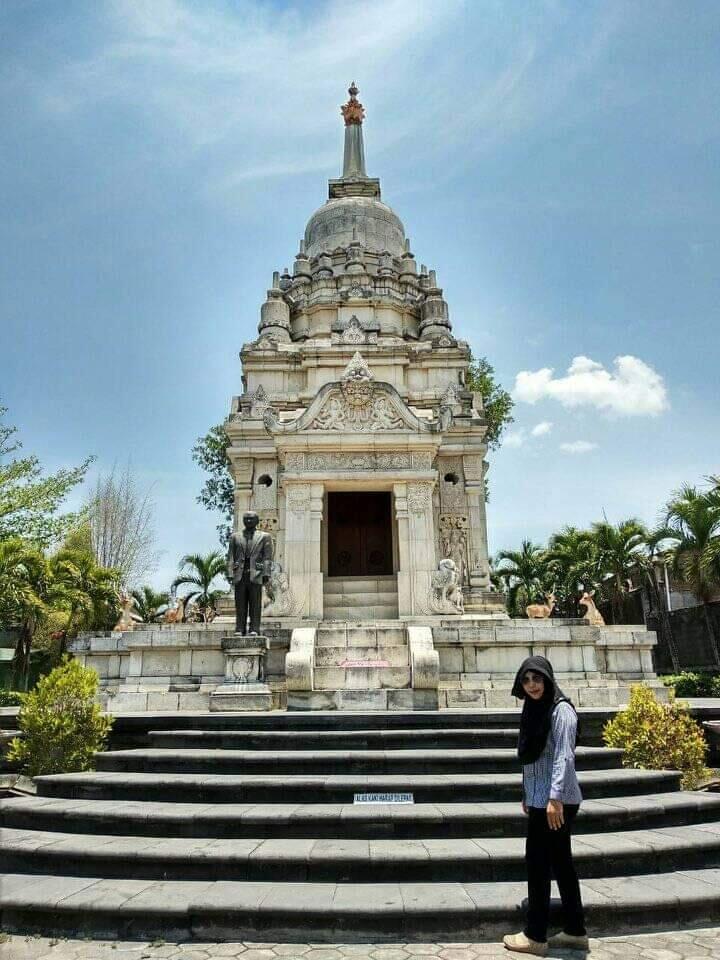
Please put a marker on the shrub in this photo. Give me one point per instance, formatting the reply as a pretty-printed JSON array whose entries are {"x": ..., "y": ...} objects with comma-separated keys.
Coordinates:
[
  {"x": 689, "y": 684},
  {"x": 10, "y": 698},
  {"x": 62, "y": 724},
  {"x": 658, "y": 736}
]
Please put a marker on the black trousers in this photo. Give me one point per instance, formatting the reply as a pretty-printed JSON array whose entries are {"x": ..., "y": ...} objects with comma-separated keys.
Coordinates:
[
  {"x": 248, "y": 600},
  {"x": 548, "y": 854}
]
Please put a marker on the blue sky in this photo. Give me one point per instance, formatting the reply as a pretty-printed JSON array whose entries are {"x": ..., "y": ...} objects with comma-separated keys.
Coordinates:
[{"x": 555, "y": 162}]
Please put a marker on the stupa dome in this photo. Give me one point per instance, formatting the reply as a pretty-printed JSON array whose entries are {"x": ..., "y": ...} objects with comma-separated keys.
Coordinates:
[{"x": 375, "y": 225}]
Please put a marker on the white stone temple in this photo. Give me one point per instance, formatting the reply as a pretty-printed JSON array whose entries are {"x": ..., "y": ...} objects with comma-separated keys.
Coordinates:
[
  {"x": 356, "y": 439},
  {"x": 358, "y": 443}
]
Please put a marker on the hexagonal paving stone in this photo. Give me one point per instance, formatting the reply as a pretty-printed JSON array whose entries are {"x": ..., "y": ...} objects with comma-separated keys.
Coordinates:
[
  {"x": 259, "y": 953},
  {"x": 458, "y": 953},
  {"x": 323, "y": 953},
  {"x": 389, "y": 953},
  {"x": 422, "y": 949},
  {"x": 291, "y": 949}
]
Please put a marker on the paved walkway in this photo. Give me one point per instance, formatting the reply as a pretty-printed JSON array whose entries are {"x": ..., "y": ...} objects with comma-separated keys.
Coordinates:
[{"x": 685, "y": 945}]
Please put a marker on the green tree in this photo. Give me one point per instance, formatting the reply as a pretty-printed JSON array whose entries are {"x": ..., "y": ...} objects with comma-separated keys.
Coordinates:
[
  {"x": 620, "y": 549},
  {"x": 29, "y": 501},
  {"x": 525, "y": 573},
  {"x": 218, "y": 491},
  {"x": 24, "y": 583},
  {"x": 572, "y": 558},
  {"x": 497, "y": 402},
  {"x": 199, "y": 573},
  {"x": 62, "y": 725},
  {"x": 87, "y": 591},
  {"x": 693, "y": 525},
  {"x": 149, "y": 604}
]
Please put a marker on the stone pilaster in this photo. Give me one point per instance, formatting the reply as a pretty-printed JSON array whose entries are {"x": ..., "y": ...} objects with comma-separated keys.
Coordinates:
[
  {"x": 303, "y": 518},
  {"x": 416, "y": 546}
]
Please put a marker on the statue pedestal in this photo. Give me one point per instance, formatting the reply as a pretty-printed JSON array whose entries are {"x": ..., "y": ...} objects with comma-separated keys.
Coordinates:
[{"x": 244, "y": 687}]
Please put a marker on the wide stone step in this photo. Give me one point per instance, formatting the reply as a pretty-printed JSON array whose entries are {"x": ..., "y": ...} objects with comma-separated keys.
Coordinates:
[
  {"x": 392, "y": 656},
  {"x": 361, "y": 677},
  {"x": 327, "y": 912},
  {"x": 426, "y": 788},
  {"x": 383, "y": 700},
  {"x": 300, "y": 762},
  {"x": 360, "y": 612},
  {"x": 345, "y": 821},
  {"x": 359, "y": 585},
  {"x": 339, "y": 633},
  {"x": 384, "y": 598},
  {"x": 319, "y": 860},
  {"x": 332, "y": 739}
]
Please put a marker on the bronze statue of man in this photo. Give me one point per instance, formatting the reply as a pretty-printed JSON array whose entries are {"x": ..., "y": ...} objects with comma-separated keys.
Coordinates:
[{"x": 248, "y": 563}]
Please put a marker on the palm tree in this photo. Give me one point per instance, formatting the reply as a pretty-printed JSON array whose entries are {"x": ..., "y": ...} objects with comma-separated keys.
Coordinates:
[
  {"x": 572, "y": 559},
  {"x": 149, "y": 604},
  {"x": 87, "y": 591},
  {"x": 619, "y": 549},
  {"x": 24, "y": 580},
  {"x": 693, "y": 524},
  {"x": 199, "y": 572},
  {"x": 525, "y": 574}
]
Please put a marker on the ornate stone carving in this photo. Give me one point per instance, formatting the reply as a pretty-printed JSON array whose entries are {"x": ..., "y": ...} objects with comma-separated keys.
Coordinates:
[
  {"x": 445, "y": 591},
  {"x": 394, "y": 461},
  {"x": 422, "y": 460},
  {"x": 419, "y": 497},
  {"x": 281, "y": 601},
  {"x": 453, "y": 543},
  {"x": 269, "y": 525},
  {"x": 353, "y": 332},
  {"x": 450, "y": 397},
  {"x": 298, "y": 499},
  {"x": 452, "y": 491},
  {"x": 377, "y": 414},
  {"x": 340, "y": 461},
  {"x": 259, "y": 403},
  {"x": 295, "y": 461}
]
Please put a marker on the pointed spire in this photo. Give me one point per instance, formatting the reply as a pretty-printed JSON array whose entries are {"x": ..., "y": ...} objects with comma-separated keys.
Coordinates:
[{"x": 354, "y": 156}]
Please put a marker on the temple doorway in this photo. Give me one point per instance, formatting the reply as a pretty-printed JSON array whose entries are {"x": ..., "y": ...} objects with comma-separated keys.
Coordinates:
[{"x": 359, "y": 534}]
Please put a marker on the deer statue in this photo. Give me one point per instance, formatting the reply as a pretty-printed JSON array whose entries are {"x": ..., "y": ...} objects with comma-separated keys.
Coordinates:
[
  {"x": 592, "y": 614},
  {"x": 541, "y": 611},
  {"x": 176, "y": 614},
  {"x": 128, "y": 619}
]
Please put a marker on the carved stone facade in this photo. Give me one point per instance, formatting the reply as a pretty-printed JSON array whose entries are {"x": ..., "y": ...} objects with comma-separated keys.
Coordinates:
[{"x": 356, "y": 384}]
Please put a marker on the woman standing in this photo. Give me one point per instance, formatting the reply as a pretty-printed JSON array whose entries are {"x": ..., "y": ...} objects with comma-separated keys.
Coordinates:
[{"x": 551, "y": 799}]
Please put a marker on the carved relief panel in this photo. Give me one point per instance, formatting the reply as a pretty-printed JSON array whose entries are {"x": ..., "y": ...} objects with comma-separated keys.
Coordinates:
[
  {"x": 452, "y": 486},
  {"x": 264, "y": 498}
]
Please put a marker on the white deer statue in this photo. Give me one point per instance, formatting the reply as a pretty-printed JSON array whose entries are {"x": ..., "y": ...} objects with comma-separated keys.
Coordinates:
[
  {"x": 541, "y": 611},
  {"x": 592, "y": 614}
]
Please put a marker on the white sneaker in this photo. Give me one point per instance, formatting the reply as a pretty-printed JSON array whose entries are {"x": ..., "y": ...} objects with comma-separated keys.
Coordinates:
[
  {"x": 522, "y": 944},
  {"x": 570, "y": 942}
]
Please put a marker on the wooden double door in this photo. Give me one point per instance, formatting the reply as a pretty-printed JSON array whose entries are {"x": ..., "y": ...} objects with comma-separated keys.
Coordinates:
[{"x": 359, "y": 534}]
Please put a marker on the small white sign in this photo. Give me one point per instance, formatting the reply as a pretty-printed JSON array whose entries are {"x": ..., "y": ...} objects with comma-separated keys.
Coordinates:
[{"x": 384, "y": 798}]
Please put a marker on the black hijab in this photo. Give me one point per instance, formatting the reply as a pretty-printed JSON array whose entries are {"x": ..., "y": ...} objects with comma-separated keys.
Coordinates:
[{"x": 536, "y": 714}]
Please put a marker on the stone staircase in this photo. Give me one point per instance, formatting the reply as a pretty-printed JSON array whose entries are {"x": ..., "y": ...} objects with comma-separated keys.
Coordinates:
[
  {"x": 360, "y": 598},
  {"x": 244, "y": 828},
  {"x": 362, "y": 666}
]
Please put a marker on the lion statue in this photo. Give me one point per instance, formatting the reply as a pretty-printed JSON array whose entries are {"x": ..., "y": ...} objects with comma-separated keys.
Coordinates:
[{"x": 445, "y": 588}]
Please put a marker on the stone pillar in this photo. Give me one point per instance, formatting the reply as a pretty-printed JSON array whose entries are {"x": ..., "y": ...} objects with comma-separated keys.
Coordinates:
[
  {"x": 416, "y": 546},
  {"x": 475, "y": 468},
  {"x": 242, "y": 474},
  {"x": 303, "y": 517}
]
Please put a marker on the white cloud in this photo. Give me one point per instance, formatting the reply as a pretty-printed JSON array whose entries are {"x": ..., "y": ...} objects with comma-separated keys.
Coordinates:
[
  {"x": 515, "y": 438},
  {"x": 541, "y": 429},
  {"x": 632, "y": 389},
  {"x": 578, "y": 446}
]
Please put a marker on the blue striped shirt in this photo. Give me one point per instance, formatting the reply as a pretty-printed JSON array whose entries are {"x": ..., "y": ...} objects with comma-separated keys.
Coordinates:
[{"x": 552, "y": 776}]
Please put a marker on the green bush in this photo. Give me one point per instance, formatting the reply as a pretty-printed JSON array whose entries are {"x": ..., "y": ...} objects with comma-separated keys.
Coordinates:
[
  {"x": 689, "y": 684},
  {"x": 658, "y": 736},
  {"x": 62, "y": 724},
  {"x": 10, "y": 698}
]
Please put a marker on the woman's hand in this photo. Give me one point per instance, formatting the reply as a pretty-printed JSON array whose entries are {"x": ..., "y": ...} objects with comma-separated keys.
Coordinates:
[
  {"x": 524, "y": 807},
  {"x": 555, "y": 814}
]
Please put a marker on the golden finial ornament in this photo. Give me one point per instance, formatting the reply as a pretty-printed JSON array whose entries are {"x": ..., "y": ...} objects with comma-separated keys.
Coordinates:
[{"x": 353, "y": 111}]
